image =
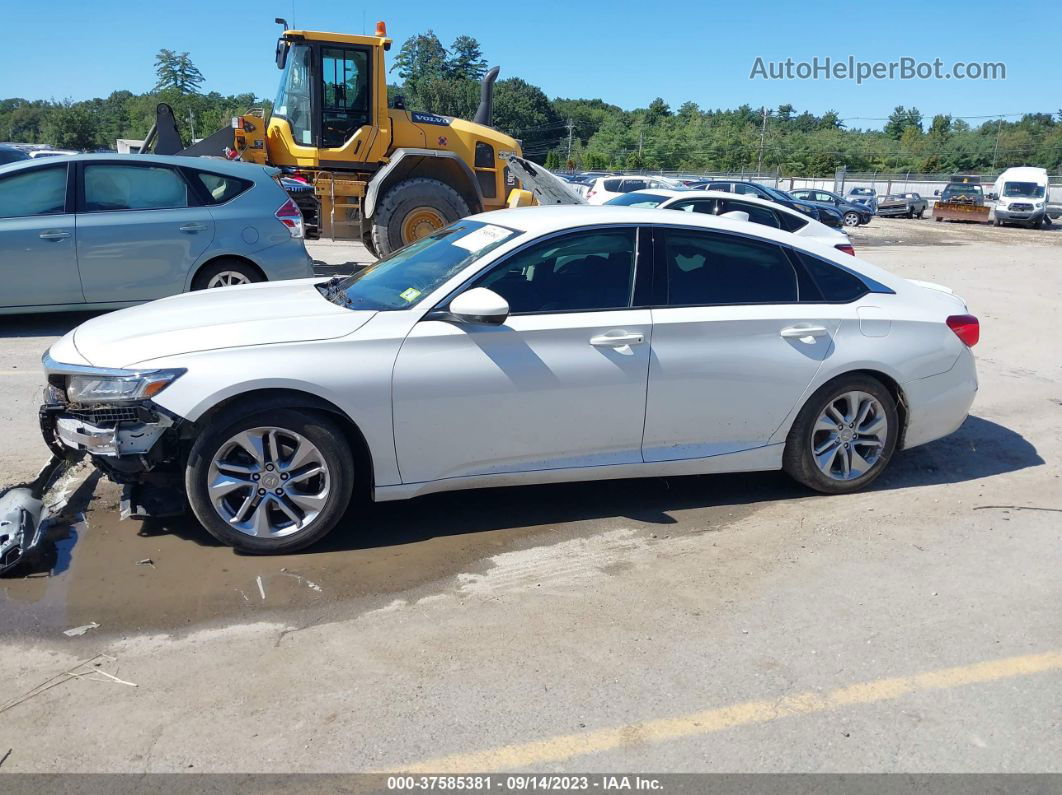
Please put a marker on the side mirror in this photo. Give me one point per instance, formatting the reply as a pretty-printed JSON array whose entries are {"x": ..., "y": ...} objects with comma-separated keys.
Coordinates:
[
  {"x": 480, "y": 305},
  {"x": 992, "y": 196},
  {"x": 936, "y": 193}
]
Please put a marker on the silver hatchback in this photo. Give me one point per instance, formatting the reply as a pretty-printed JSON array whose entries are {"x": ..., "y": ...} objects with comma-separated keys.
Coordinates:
[{"x": 107, "y": 231}]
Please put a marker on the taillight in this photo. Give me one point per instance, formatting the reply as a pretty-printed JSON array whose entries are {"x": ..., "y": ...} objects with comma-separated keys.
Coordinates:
[
  {"x": 290, "y": 215},
  {"x": 966, "y": 327},
  {"x": 590, "y": 193},
  {"x": 847, "y": 248}
]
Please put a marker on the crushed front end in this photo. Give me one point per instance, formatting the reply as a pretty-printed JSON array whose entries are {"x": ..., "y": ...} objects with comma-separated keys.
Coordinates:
[{"x": 108, "y": 415}]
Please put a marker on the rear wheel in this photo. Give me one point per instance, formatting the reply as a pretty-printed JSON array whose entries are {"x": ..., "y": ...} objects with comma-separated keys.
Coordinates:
[
  {"x": 226, "y": 272},
  {"x": 921, "y": 213},
  {"x": 413, "y": 209},
  {"x": 271, "y": 481},
  {"x": 844, "y": 436}
]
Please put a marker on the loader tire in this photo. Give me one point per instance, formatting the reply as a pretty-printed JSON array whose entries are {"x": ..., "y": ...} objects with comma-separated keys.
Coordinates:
[{"x": 412, "y": 209}]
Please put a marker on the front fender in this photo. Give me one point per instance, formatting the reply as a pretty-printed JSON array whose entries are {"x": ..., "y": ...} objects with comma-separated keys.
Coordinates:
[{"x": 403, "y": 163}]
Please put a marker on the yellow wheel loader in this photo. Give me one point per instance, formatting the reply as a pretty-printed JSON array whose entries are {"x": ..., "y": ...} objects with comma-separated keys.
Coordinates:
[{"x": 357, "y": 168}]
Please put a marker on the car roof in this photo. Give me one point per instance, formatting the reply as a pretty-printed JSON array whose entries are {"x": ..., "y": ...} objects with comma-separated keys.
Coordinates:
[
  {"x": 738, "y": 197},
  {"x": 543, "y": 220},
  {"x": 234, "y": 168}
]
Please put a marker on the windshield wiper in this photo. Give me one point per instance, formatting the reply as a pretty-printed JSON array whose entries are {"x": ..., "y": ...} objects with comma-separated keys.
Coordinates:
[{"x": 332, "y": 291}]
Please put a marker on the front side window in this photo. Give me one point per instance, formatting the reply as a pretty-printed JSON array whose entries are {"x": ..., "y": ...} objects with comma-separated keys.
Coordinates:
[
  {"x": 723, "y": 186},
  {"x": 705, "y": 206},
  {"x": 716, "y": 269},
  {"x": 584, "y": 272},
  {"x": 757, "y": 214},
  {"x": 293, "y": 98},
  {"x": 120, "y": 187},
  {"x": 344, "y": 94},
  {"x": 41, "y": 191},
  {"x": 404, "y": 278}
]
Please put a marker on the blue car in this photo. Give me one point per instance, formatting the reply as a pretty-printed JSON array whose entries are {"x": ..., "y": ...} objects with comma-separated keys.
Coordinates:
[
  {"x": 852, "y": 213},
  {"x": 108, "y": 231}
]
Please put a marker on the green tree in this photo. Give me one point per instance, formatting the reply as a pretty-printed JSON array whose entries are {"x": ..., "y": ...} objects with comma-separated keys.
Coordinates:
[
  {"x": 466, "y": 60},
  {"x": 71, "y": 127},
  {"x": 900, "y": 119},
  {"x": 421, "y": 57},
  {"x": 176, "y": 72}
]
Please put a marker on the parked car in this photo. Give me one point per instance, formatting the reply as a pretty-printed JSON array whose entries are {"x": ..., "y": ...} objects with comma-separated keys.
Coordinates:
[
  {"x": 852, "y": 214},
  {"x": 1021, "y": 197},
  {"x": 868, "y": 197},
  {"x": 755, "y": 210},
  {"x": 605, "y": 188},
  {"x": 11, "y": 154},
  {"x": 529, "y": 345},
  {"x": 826, "y": 216},
  {"x": 107, "y": 231},
  {"x": 908, "y": 205}
]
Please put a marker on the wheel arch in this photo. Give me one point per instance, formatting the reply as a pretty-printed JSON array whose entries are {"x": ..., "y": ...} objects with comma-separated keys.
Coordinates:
[
  {"x": 447, "y": 167},
  {"x": 290, "y": 398},
  {"x": 222, "y": 256}
]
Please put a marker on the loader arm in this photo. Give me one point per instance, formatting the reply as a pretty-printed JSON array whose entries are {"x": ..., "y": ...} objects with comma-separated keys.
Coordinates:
[{"x": 543, "y": 185}]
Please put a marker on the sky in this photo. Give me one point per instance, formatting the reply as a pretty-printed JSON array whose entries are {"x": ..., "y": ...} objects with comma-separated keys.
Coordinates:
[{"x": 622, "y": 51}]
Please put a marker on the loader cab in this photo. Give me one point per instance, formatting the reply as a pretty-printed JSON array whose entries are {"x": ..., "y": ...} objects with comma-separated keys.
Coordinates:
[{"x": 331, "y": 103}]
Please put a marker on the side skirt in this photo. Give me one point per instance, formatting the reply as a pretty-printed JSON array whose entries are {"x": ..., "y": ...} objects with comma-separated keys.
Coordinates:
[{"x": 757, "y": 460}]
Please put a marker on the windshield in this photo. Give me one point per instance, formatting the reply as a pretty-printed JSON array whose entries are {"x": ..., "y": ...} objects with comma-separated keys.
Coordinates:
[
  {"x": 1026, "y": 190},
  {"x": 861, "y": 192},
  {"x": 293, "y": 98},
  {"x": 637, "y": 200},
  {"x": 404, "y": 278},
  {"x": 962, "y": 190}
]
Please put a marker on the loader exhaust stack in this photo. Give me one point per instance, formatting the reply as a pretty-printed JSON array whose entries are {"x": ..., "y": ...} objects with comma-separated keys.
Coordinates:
[{"x": 485, "y": 111}]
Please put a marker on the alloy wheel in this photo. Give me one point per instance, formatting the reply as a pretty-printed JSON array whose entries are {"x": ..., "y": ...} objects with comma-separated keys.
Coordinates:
[
  {"x": 268, "y": 482},
  {"x": 849, "y": 436},
  {"x": 228, "y": 279}
]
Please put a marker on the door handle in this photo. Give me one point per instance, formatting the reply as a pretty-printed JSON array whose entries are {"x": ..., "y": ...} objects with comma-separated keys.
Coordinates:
[
  {"x": 54, "y": 234},
  {"x": 616, "y": 340},
  {"x": 799, "y": 332},
  {"x": 193, "y": 228}
]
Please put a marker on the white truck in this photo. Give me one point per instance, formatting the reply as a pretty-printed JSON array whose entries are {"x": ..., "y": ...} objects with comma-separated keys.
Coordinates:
[{"x": 1021, "y": 197}]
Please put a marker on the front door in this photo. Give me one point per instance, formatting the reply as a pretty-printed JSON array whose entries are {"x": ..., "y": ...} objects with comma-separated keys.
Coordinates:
[
  {"x": 38, "y": 265},
  {"x": 138, "y": 232},
  {"x": 733, "y": 348},
  {"x": 560, "y": 384}
]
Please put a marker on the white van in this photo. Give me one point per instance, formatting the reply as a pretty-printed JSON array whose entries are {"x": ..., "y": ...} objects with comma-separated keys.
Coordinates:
[{"x": 1021, "y": 197}]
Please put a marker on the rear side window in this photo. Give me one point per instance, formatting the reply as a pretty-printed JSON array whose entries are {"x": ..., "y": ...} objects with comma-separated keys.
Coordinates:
[
  {"x": 836, "y": 284},
  {"x": 612, "y": 185},
  {"x": 41, "y": 191},
  {"x": 716, "y": 269},
  {"x": 634, "y": 184},
  {"x": 724, "y": 186},
  {"x": 705, "y": 206},
  {"x": 221, "y": 189},
  {"x": 757, "y": 214},
  {"x": 120, "y": 187}
]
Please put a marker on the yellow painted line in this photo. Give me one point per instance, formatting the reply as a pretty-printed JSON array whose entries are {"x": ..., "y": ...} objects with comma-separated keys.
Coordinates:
[{"x": 555, "y": 749}]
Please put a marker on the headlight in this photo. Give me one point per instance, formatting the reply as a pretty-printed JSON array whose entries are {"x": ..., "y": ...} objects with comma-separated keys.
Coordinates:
[{"x": 112, "y": 388}]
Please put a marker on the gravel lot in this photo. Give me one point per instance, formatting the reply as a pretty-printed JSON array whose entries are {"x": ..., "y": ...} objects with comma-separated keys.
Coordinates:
[{"x": 689, "y": 624}]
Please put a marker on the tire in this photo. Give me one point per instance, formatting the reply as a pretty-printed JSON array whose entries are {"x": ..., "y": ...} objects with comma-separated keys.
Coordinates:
[
  {"x": 910, "y": 214},
  {"x": 1045, "y": 222},
  {"x": 921, "y": 213},
  {"x": 226, "y": 272},
  {"x": 413, "y": 208},
  {"x": 224, "y": 451},
  {"x": 807, "y": 435},
  {"x": 850, "y": 218}
]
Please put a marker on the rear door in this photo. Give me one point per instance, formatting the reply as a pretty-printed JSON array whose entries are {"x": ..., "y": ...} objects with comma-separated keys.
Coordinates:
[
  {"x": 733, "y": 347},
  {"x": 140, "y": 230},
  {"x": 38, "y": 264}
]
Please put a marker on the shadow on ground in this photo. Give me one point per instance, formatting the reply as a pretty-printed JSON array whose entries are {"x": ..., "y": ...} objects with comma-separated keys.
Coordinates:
[
  {"x": 54, "y": 324},
  {"x": 979, "y": 449}
]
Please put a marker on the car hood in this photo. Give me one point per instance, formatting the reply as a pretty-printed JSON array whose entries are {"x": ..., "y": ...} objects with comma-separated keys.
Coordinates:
[{"x": 223, "y": 317}]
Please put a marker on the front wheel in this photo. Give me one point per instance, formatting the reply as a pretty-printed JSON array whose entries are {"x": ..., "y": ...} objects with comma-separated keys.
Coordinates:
[
  {"x": 270, "y": 482},
  {"x": 851, "y": 219},
  {"x": 920, "y": 214},
  {"x": 413, "y": 209},
  {"x": 844, "y": 436}
]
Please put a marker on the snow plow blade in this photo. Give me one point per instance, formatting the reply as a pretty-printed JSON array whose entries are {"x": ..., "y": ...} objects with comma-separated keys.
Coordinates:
[{"x": 541, "y": 184}]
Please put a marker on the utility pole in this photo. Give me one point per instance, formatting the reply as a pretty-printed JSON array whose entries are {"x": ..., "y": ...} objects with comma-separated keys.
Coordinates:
[
  {"x": 641, "y": 140},
  {"x": 570, "y": 126},
  {"x": 763, "y": 135},
  {"x": 999, "y": 124}
]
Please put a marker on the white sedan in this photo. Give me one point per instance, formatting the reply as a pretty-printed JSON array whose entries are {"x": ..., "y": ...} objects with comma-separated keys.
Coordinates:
[
  {"x": 529, "y": 345},
  {"x": 737, "y": 206}
]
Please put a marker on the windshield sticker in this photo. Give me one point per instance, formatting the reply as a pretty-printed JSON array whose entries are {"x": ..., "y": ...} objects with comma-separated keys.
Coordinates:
[
  {"x": 481, "y": 238},
  {"x": 409, "y": 294},
  {"x": 429, "y": 118}
]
